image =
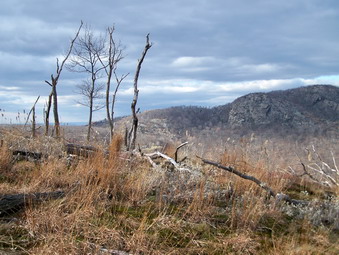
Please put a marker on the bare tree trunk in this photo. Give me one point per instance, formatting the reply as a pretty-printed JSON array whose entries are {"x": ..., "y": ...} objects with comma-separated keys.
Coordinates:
[
  {"x": 49, "y": 104},
  {"x": 108, "y": 87},
  {"x": 33, "y": 123},
  {"x": 90, "y": 120},
  {"x": 132, "y": 136},
  {"x": 87, "y": 54},
  {"x": 91, "y": 98},
  {"x": 53, "y": 84},
  {"x": 118, "y": 81},
  {"x": 55, "y": 109},
  {"x": 114, "y": 54}
]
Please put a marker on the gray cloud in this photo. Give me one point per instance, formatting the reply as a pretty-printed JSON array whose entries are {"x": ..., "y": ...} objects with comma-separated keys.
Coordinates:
[{"x": 204, "y": 52}]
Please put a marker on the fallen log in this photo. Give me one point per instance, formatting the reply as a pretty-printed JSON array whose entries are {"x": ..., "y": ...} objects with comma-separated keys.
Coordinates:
[
  {"x": 271, "y": 192},
  {"x": 80, "y": 150},
  {"x": 70, "y": 148},
  {"x": 27, "y": 155},
  {"x": 12, "y": 203}
]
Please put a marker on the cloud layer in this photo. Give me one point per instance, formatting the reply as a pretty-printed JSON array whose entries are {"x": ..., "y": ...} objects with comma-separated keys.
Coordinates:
[{"x": 204, "y": 52}]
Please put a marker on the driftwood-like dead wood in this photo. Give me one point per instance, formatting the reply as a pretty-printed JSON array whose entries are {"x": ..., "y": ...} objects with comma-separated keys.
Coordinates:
[
  {"x": 12, "y": 203},
  {"x": 177, "y": 166},
  {"x": 27, "y": 154},
  {"x": 70, "y": 148},
  {"x": 80, "y": 150},
  {"x": 158, "y": 154},
  {"x": 271, "y": 192},
  {"x": 132, "y": 135},
  {"x": 176, "y": 151}
]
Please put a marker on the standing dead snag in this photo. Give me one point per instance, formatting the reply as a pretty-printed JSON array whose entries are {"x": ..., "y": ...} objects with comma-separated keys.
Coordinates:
[
  {"x": 53, "y": 95},
  {"x": 47, "y": 111},
  {"x": 112, "y": 58},
  {"x": 132, "y": 135},
  {"x": 85, "y": 59},
  {"x": 32, "y": 111}
]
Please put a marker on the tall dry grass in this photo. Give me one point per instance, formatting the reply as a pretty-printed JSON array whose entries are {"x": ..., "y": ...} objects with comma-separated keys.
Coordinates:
[{"x": 118, "y": 202}]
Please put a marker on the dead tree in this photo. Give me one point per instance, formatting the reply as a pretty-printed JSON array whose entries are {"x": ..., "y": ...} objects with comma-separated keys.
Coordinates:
[
  {"x": 110, "y": 61},
  {"x": 85, "y": 59},
  {"x": 53, "y": 95},
  {"x": 90, "y": 94},
  {"x": 32, "y": 111},
  {"x": 47, "y": 110},
  {"x": 132, "y": 134}
]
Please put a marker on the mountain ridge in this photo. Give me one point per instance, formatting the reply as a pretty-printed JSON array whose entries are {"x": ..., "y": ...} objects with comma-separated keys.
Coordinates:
[{"x": 311, "y": 109}]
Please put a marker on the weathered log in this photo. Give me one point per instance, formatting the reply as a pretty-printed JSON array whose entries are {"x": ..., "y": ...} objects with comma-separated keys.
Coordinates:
[
  {"x": 80, "y": 150},
  {"x": 27, "y": 154},
  {"x": 278, "y": 196},
  {"x": 70, "y": 148},
  {"x": 12, "y": 203}
]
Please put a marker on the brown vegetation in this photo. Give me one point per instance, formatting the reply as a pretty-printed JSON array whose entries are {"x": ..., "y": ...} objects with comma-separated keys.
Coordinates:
[{"x": 119, "y": 202}]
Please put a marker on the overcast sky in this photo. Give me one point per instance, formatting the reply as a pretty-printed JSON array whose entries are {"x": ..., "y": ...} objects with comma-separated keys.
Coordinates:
[{"x": 205, "y": 52}]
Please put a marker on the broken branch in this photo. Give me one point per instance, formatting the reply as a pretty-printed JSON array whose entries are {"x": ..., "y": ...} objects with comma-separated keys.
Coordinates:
[
  {"x": 176, "y": 151},
  {"x": 278, "y": 196}
]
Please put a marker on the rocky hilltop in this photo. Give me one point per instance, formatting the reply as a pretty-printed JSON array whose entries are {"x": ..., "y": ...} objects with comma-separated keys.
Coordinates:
[
  {"x": 310, "y": 110},
  {"x": 306, "y": 107}
]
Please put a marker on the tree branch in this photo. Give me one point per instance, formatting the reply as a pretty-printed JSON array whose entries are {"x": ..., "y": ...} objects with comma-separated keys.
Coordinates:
[
  {"x": 278, "y": 196},
  {"x": 176, "y": 151}
]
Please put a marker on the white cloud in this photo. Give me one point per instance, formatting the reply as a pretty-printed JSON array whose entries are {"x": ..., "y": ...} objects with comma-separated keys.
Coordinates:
[
  {"x": 260, "y": 85},
  {"x": 9, "y": 88},
  {"x": 190, "y": 87},
  {"x": 260, "y": 68},
  {"x": 193, "y": 62},
  {"x": 329, "y": 79}
]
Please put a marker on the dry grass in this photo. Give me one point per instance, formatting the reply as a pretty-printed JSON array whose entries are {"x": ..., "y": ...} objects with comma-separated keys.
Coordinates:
[{"x": 118, "y": 202}]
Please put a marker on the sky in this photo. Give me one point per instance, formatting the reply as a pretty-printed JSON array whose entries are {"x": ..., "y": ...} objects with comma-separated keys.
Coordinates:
[{"x": 204, "y": 52}]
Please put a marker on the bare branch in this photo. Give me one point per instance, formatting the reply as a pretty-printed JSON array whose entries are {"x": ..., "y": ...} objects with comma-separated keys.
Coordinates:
[
  {"x": 176, "y": 151},
  {"x": 271, "y": 192},
  {"x": 59, "y": 70},
  {"x": 48, "y": 83},
  {"x": 36, "y": 101}
]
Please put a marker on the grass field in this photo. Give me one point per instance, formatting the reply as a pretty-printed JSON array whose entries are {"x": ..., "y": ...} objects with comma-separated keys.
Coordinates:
[{"x": 120, "y": 203}]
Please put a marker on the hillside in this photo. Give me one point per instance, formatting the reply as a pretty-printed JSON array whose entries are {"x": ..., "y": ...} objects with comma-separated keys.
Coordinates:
[
  {"x": 312, "y": 110},
  {"x": 222, "y": 195}
]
